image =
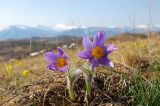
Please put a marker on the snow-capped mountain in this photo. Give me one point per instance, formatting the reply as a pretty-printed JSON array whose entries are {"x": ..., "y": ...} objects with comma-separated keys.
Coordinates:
[{"x": 21, "y": 31}]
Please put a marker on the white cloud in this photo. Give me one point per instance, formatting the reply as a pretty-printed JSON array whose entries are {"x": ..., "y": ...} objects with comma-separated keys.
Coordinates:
[
  {"x": 141, "y": 26},
  {"x": 146, "y": 26},
  {"x": 62, "y": 27},
  {"x": 21, "y": 27}
]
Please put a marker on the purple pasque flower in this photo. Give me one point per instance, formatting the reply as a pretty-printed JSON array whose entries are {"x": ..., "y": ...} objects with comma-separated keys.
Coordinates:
[
  {"x": 58, "y": 62},
  {"x": 96, "y": 51}
]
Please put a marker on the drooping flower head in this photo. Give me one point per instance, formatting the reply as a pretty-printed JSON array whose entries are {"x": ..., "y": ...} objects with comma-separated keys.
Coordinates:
[
  {"x": 58, "y": 62},
  {"x": 96, "y": 51}
]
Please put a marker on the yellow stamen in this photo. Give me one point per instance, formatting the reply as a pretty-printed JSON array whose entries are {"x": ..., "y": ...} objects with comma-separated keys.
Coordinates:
[
  {"x": 61, "y": 62},
  {"x": 97, "y": 52}
]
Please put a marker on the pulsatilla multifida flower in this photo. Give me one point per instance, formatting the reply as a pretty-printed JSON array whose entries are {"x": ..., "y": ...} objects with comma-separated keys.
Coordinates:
[
  {"x": 96, "y": 51},
  {"x": 58, "y": 62}
]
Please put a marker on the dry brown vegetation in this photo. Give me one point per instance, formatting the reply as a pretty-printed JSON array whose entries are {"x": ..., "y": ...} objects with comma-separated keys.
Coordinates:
[{"x": 135, "y": 79}]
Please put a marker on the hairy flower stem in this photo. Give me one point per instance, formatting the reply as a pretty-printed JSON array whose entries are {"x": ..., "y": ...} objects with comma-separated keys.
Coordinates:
[
  {"x": 71, "y": 93},
  {"x": 92, "y": 77},
  {"x": 70, "y": 89},
  {"x": 88, "y": 86}
]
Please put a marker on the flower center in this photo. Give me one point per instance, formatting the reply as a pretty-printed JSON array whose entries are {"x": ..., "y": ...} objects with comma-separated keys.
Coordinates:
[
  {"x": 61, "y": 62},
  {"x": 97, "y": 52}
]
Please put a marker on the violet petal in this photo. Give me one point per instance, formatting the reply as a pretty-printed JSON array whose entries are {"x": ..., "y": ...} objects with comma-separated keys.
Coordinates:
[
  {"x": 93, "y": 62},
  {"x": 111, "y": 48},
  {"x": 52, "y": 67},
  {"x": 60, "y": 51},
  {"x": 51, "y": 57},
  {"x": 87, "y": 43},
  {"x": 84, "y": 54},
  {"x": 99, "y": 39},
  {"x": 63, "y": 69},
  {"x": 105, "y": 61}
]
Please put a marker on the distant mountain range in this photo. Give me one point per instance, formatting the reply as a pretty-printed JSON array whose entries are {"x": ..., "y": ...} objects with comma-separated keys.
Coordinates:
[{"x": 21, "y": 32}]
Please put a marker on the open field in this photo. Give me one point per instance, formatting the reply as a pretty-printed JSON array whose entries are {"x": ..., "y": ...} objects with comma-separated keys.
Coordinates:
[
  {"x": 17, "y": 49},
  {"x": 135, "y": 79}
]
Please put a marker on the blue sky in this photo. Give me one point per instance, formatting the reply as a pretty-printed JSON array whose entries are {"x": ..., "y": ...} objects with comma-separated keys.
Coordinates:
[{"x": 78, "y": 12}]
